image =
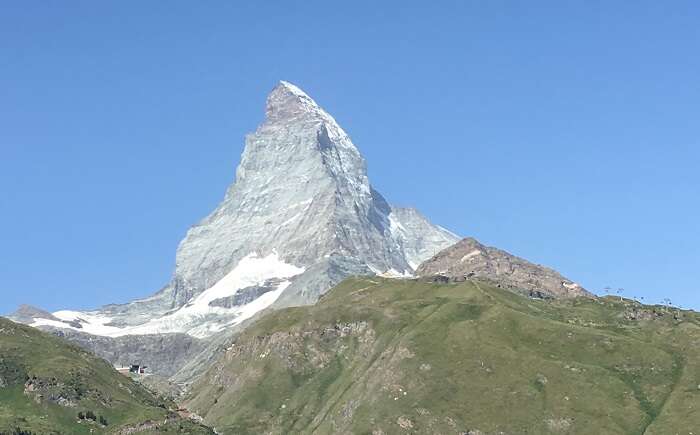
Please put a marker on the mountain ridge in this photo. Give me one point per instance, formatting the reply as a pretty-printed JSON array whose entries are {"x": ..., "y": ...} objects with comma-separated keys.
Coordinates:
[{"x": 394, "y": 356}]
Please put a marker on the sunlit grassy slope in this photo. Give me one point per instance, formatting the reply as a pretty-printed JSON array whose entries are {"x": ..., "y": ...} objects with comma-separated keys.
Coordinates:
[
  {"x": 381, "y": 356},
  {"x": 45, "y": 383}
]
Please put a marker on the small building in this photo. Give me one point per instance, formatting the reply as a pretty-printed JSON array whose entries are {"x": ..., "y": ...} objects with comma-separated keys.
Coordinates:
[{"x": 137, "y": 369}]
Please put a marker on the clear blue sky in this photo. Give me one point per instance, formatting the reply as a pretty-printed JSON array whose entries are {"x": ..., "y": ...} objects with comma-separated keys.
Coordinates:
[{"x": 565, "y": 132}]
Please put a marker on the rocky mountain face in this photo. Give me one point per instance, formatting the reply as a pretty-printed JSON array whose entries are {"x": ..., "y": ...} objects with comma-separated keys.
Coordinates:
[
  {"x": 470, "y": 259},
  {"x": 300, "y": 216},
  {"x": 164, "y": 354},
  {"x": 302, "y": 191}
]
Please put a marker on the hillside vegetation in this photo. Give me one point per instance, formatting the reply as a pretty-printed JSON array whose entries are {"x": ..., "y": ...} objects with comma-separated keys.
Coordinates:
[
  {"x": 381, "y": 356},
  {"x": 48, "y": 386}
]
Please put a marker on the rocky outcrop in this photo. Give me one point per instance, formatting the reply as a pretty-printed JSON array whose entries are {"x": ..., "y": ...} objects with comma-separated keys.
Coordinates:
[
  {"x": 470, "y": 259},
  {"x": 66, "y": 394},
  {"x": 164, "y": 354},
  {"x": 11, "y": 372},
  {"x": 246, "y": 295}
]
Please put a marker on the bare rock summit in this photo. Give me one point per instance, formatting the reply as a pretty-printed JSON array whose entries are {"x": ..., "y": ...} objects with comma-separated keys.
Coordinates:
[{"x": 470, "y": 259}]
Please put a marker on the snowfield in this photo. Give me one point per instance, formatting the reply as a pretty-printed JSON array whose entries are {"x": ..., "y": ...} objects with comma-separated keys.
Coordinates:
[{"x": 197, "y": 317}]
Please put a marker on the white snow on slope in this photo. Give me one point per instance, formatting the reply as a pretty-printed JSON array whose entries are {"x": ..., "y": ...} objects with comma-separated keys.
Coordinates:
[
  {"x": 474, "y": 253},
  {"x": 251, "y": 270},
  {"x": 390, "y": 273}
]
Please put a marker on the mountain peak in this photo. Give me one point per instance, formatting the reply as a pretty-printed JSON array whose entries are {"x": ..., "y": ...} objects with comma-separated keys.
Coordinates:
[
  {"x": 296, "y": 90},
  {"x": 27, "y": 314},
  {"x": 469, "y": 258},
  {"x": 287, "y": 100}
]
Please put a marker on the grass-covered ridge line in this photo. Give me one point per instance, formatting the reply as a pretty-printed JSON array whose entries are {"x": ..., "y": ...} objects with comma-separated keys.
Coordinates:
[
  {"x": 49, "y": 386},
  {"x": 407, "y": 356}
]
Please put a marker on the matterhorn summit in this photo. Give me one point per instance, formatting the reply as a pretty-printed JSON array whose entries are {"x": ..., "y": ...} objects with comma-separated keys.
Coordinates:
[{"x": 300, "y": 216}]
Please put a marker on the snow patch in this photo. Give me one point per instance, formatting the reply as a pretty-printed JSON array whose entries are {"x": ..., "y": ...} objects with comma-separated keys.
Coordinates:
[
  {"x": 90, "y": 322},
  {"x": 393, "y": 273},
  {"x": 251, "y": 270},
  {"x": 390, "y": 273},
  {"x": 472, "y": 254}
]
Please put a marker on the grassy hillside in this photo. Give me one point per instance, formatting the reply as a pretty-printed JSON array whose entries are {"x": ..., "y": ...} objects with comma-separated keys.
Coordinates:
[
  {"x": 380, "y": 356},
  {"x": 47, "y": 385}
]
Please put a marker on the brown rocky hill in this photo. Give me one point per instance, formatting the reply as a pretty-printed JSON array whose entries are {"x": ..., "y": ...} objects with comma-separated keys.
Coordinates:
[{"x": 470, "y": 259}]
